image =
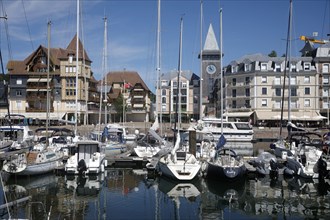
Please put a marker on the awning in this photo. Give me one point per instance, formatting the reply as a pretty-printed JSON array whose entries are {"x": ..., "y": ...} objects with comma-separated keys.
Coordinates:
[
  {"x": 237, "y": 114},
  {"x": 42, "y": 115},
  {"x": 38, "y": 80},
  {"x": 294, "y": 116},
  {"x": 33, "y": 80}
]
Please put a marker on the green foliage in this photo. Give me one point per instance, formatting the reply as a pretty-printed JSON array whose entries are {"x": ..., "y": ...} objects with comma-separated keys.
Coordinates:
[{"x": 272, "y": 54}]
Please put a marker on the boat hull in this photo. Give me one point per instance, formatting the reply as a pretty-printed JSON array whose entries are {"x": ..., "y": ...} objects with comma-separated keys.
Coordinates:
[
  {"x": 231, "y": 173},
  {"x": 179, "y": 170}
]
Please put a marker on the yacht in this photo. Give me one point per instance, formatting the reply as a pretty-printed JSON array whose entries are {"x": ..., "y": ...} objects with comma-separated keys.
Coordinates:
[{"x": 232, "y": 130}]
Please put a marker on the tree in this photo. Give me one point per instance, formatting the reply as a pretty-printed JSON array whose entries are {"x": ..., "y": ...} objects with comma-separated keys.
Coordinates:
[
  {"x": 118, "y": 105},
  {"x": 272, "y": 54}
]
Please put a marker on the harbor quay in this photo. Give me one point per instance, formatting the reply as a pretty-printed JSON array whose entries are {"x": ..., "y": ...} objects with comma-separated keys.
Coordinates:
[{"x": 261, "y": 134}]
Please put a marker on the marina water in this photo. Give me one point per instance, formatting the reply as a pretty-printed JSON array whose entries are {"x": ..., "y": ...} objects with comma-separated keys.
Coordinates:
[{"x": 134, "y": 194}]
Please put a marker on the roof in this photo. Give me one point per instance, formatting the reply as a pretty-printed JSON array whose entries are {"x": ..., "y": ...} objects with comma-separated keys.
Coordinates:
[
  {"x": 56, "y": 54},
  {"x": 211, "y": 41},
  {"x": 131, "y": 77}
]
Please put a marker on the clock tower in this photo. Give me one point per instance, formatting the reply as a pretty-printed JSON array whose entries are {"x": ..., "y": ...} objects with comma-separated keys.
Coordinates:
[{"x": 210, "y": 56}]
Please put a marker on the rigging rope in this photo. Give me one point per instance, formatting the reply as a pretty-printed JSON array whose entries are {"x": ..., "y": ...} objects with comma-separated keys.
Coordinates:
[{"x": 27, "y": 23}]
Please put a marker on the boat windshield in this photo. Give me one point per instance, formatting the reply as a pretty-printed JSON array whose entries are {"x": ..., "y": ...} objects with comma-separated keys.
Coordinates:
[{"x": 243, "y": 126}]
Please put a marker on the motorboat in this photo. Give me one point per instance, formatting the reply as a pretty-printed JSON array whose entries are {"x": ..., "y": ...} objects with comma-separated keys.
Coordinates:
[
  {"x": 89, "y": 158},
  {"x": 266, "y": 164},
  {"x": 232, "y": 130}
]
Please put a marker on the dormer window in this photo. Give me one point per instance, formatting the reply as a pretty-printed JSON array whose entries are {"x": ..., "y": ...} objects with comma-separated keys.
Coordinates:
[
  {"x": 70, "y": 58},
  {"x": 325, "y": 68},
  {"x": 307, "y": 66},
  {"x": 277, "y": 68}
]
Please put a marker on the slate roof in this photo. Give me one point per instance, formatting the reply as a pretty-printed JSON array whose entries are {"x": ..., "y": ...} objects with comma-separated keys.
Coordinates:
[{"x": 56, "y": 54}]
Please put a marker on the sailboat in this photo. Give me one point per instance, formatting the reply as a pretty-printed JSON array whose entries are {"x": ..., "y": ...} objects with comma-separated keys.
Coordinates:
[
  {"x": 302, "y": 157},
  {"x": 42, "y": 158},
  {"x": 225, "y": 164},
  {"x": 143, "y": 148},
  {"x": 179, "y": 164}
]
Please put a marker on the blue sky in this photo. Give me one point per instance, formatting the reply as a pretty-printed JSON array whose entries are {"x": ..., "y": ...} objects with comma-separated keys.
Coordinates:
[{"x": 249, "y": 26}]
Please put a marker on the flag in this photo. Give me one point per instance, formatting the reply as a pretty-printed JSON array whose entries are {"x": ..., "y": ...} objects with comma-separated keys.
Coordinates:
[
  {"x": 221, "y": 142},
  {"x": 127, "y": 85}
]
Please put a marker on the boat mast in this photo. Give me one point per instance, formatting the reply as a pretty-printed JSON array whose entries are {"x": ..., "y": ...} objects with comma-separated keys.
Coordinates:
[
  {"x": 48, "y": 69},
  {"x": 159, "y": 101},
  {"x": 287, "y": 63},
  {"x": 221, "y": 74},
  {"x": 178, "y": 89},
  {"x": 201, "y": 65},
  {"x": 5, "y": 95},
  {"x": 105, "y": 55},
  {"x": 77, "y": 68}
]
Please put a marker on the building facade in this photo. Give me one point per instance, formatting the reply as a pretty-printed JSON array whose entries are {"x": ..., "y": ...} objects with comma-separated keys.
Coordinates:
[
  {"x": 255, "y": 87},
  {"x": 135, "y": 95},
  {"x": 187, "y": 86},
  {"x": 30, "y": 81}
]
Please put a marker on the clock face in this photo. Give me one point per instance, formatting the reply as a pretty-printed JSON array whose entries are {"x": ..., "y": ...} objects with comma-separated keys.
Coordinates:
[{"x": 211, "y": 69}]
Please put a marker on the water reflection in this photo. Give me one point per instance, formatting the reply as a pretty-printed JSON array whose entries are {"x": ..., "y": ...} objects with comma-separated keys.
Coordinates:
[{"x": 127, "y": 194}]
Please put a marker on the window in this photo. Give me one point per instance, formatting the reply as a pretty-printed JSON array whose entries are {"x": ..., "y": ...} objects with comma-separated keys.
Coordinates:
[
  {"x": 247, "y": 80},
  {"x": 325, "y": 68},
  {"x": 263, "y": 66},
  {"x": 278, "y": 91},
  {"x": 277, "y": 80},
  {"x": 234, "y": 104},
  {"x": 264, "y": 79},
  {"x": 247, "y": 67},
  {"x": 70, "y": 58},
  {"x": 293, "y": 92},
  {"x": 277, "y": 104},
  {"x": 18, "y": 93},
  {"x": 247, "y": 92},
  {"x": 18, "y": 104},
  {"x": 264, "y": 91},
  {"x": 307, "y": 103},
  {"x": 234, "y": 81},
  {"x": 307, "y": 79},
  {"x": 307, "y": 66},
  {"x": 264, "y": 102},
  {"x": 277, "y": 68},
  {"x": 164, "y": 82},
  {"x": 307, "y": 91},
  {"x": 19, "y": 81},
  {"x": 234, "y": 92},
  {"x": 247, "y": 104},
  {"x": 294, "y": 104},
  {"x": 293, "y": 80}
]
